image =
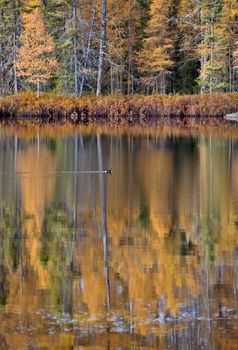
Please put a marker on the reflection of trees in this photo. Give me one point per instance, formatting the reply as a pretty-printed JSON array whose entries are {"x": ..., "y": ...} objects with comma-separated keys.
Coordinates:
[
  {"x": 36, "y": 193},
  {"x": 103, "y": 186},
  {"x": 55, "y": 252},
  {"x": 3, "y": 280},
  {"x": 168, "y": 214}
]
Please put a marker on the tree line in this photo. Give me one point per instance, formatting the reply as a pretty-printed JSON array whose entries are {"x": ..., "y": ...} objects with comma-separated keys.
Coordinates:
[{"x": 99, "y": 47}]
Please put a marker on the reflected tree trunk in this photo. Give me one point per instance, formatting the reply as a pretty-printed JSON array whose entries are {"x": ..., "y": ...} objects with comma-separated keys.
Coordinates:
[
  {"x": 103, "y": 186},
  {"x": 208, "y": 296},
  {"x": 68, "y": 297}
]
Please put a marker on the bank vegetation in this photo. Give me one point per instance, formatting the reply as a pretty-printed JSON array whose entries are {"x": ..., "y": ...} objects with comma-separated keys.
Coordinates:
[{"x": 117, "y": 109}]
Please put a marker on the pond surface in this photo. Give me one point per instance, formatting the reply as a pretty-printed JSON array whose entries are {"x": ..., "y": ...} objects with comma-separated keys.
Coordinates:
[{"x": 145, "y": 258}]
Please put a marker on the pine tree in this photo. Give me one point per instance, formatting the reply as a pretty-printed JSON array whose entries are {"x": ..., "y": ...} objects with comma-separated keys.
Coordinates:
[
  {"x": 156, "y": 56},
  {"x": 35, "y": 62}
]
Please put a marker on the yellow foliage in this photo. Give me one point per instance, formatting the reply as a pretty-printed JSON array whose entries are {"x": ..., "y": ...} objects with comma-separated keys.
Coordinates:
[{"x": 35, "y": 62}]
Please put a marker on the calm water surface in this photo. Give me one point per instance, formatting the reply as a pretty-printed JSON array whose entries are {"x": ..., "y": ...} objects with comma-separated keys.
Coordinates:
[{"x": 145, "y": 258}]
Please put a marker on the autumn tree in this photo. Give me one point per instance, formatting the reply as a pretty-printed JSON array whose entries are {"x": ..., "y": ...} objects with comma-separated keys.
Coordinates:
[
  {"x": 123, "y": 28},
  {"x": 188, "y": 38},
  {"x": 156, "y": 57},
  {"x": 74, "y": 25},
  {"x": 35, "y": 62},
  {"x": 130, "y": 46},
  {"x": 212, "y": 48},
  {"x": 117, "y": 43}
]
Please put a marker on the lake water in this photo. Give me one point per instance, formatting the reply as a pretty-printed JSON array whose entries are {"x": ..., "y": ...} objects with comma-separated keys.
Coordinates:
[{"x": 145, "y": 258}]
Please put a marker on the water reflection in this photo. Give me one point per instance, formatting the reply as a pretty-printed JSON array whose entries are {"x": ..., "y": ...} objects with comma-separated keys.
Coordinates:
[{"x": 145, "y": 258}]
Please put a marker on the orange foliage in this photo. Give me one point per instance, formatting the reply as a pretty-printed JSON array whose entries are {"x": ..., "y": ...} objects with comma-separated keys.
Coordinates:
[
  {"x": 35, "y": 62},
  {"x": 118, "y": 109}
]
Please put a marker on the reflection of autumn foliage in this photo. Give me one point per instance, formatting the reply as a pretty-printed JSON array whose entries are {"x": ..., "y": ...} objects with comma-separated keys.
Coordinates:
[
  {"x": 172, "y": 228},
  {"x": 37, "y": 190}
]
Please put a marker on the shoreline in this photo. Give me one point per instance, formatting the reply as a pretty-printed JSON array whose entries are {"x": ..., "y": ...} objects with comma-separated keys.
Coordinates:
[{"x": 154, "y": 111}]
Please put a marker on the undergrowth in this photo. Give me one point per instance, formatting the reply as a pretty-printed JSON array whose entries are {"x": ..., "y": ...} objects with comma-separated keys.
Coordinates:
[{"x": 115, "y": 109}]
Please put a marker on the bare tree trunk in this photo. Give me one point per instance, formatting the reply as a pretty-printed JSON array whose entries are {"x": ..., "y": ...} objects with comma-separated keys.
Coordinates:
[
  {"x": 88, "y": 49},
  {"x": 212, "y": 63},
  {"x": 111, "y": 73},
  {"x": 16, "y": 19},
  {"x": 74, "y": 9},
  {"x": 203, "y": 58},
  {"x": 121, "y": 81},
  {"x": 103, "y": 44},
  {"x": 38, "y": 89},
  {"x": 230, "y": 68},
  {"x": 130, "y": 53},
  {"x": 14, "y": 67}
]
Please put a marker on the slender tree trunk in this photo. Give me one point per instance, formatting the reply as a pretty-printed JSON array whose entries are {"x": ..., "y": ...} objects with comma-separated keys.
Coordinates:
[
  {"x": 117, "y": 78},
  {"x": 88, "y": 49},
  {"x": 230, "y": 69},
  {"x": 16, "y": 24},
  {"x": 38, "y": 89},
  {"x": 203, "y": 58},
  {"x": 111, "y": 73},
  {"x": 233, "y": 79},
  {"x": 121, "y": 81},
  {"x": 129, "y": 80},
  {"x": 103, "y": 44},
  {"x": 14, "y": 67},
  {"x": 212, "y": 62},
  {"x": 103, "y": 187},
  {"x": 74, "y": 9}
]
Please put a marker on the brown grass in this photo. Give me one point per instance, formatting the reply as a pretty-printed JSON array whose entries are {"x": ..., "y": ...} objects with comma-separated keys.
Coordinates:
[{"x": 118, "y": 109}]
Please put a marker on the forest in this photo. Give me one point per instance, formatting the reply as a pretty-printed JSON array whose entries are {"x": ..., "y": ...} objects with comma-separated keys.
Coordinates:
[{"x": 95, "y": 47}]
